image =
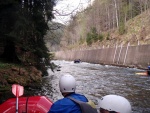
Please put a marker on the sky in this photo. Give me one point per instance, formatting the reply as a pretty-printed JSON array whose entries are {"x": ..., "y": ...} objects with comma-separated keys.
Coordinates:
[{"x": 64, "y": 9}]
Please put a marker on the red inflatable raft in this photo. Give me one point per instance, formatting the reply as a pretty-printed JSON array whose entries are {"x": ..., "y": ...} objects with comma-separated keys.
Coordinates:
[{"x": 32, "y": 104}]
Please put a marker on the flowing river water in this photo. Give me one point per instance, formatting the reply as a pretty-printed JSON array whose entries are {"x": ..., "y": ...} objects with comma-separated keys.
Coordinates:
[{"x": 95, "y": 81}]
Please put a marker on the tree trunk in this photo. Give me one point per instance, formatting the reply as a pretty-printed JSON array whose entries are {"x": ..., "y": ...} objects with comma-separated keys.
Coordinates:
[{"x": 116, "y": 10}]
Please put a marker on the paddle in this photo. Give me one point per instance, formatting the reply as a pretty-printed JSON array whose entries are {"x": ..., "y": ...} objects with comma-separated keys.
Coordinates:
[{"x": 17, "y": 90}]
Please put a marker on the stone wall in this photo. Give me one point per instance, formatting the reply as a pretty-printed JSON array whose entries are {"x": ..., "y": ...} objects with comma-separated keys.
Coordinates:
[{"x": 135, "y": 56}]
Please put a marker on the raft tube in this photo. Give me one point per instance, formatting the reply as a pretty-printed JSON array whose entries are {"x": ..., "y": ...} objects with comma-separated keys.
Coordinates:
[{"x": 32, "y": 104}]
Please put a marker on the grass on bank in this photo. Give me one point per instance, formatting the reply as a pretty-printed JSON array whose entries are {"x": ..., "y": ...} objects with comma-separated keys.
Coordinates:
[{"x": 4, "y": 65}]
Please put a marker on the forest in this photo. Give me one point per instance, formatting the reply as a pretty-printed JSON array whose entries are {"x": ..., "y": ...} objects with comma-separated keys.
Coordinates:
[
  {"x": 107, "y": 23},
  {"x": 23, "y": 24},
  {"x": 23, "y": 53},
  {"x": 28, "y": 36}
]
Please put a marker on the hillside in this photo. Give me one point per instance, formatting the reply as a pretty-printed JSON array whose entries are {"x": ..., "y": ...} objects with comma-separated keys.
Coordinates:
[
  {"x": 137, "y": 32},
  {"x": 53, "y": 36},
  {"x": 137, "y": 29},
  {"x": 100, "y": 23}
]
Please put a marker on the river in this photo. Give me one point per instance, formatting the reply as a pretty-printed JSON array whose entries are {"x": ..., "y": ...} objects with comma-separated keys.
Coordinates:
[{"x": 95, "y": 81}]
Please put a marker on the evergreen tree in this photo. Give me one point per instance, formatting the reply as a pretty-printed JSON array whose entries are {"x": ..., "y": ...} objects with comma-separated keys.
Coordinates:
[{"x": 23, "y": 24}]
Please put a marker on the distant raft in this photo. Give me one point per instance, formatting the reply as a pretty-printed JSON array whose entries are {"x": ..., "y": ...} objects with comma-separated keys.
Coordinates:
[
  {"x": 77, "y": 61},
  {"x": 142, "y": 73}
]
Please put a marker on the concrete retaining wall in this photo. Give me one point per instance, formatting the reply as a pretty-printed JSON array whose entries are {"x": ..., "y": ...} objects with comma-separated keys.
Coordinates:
[{"x": 136, "y": 56}]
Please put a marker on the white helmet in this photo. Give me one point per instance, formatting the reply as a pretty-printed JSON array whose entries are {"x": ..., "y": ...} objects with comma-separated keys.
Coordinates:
[
  {"x": 67, "y": 83},
  {"x": 115, "y": 103}
]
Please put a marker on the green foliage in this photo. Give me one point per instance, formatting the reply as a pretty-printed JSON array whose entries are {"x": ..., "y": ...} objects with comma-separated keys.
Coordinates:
[
  {"x": 22, "y": 30},
  {"x": 123, "y": 15},
  {"x": 25, "y": 25},
  {"x": 89, "y": 39},
  {"x": 106, "y": 17},
  {"x": 107, "y": 36},
  {"x": 54, "y": 34},
  {"x": 122, "y": 29},
  {"x": 93, "y": 36},
  {"x": 81, "y": 41},
  {"x": 4, "y": 65},
  {"x": 136, "y": 8},
  {"x": 100, "y": 37}
]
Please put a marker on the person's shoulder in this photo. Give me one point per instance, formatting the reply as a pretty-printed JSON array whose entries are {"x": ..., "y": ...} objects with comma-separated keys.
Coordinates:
[
  {"x": 63, "y": 101},
  {"x": 58, "y": 101},
  {"x": 77, "y": 94},
  {"x": 80, "y": 97}
]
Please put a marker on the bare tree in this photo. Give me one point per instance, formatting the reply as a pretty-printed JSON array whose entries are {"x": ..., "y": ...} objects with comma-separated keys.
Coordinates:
[{"x": 116, "y": 11}]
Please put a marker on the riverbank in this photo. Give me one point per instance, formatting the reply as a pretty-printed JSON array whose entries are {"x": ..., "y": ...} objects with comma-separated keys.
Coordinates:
[{"x": 13, "y": 74}]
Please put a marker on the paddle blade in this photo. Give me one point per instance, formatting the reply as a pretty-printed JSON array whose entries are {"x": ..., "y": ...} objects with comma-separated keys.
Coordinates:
[{"x": 17, "y": 90}]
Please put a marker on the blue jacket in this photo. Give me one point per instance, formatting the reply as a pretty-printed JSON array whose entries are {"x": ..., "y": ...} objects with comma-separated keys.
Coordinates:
[{"x": 66, "y": 105}]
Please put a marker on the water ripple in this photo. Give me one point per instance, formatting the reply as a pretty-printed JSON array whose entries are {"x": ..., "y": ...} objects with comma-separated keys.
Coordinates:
[{"x": 95, "y": 81}]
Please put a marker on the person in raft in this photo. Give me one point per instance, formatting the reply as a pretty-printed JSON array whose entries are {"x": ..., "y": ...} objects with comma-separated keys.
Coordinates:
[
  {"x": 67, "y": 85},
  {"x": 148, "y": 71},
  {"x": 114, "y": 104}
]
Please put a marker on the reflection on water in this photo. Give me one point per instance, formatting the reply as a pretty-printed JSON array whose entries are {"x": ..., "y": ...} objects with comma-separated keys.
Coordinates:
[{"x": 95, "y": 81}]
